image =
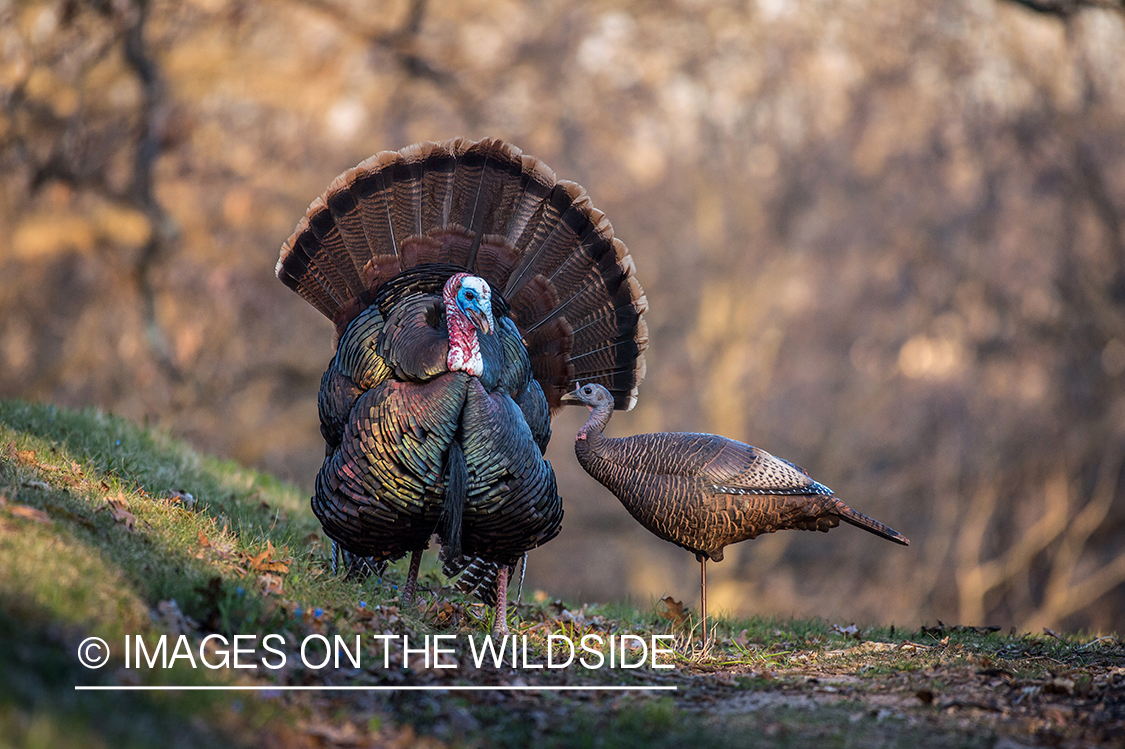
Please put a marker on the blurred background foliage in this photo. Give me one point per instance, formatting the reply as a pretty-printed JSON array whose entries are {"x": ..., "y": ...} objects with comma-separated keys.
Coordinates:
[{"x": 885, "y": 240}]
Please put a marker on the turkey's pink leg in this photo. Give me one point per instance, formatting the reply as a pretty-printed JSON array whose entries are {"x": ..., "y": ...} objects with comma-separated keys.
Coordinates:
[
  {"x": 408, "y": 590},
  {"x": 500, "y": 625}
]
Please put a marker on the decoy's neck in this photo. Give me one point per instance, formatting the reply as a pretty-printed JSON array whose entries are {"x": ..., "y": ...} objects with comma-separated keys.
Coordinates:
[{"x": 595, "y": 425}]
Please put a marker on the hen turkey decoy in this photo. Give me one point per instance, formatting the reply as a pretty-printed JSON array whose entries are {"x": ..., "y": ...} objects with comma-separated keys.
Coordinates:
[
  {"x": 469, "y": 288},
  {"x": 702, "y": 491}
]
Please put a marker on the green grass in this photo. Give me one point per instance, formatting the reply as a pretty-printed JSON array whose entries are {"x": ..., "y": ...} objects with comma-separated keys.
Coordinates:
[{"x": 74, "y": 565}]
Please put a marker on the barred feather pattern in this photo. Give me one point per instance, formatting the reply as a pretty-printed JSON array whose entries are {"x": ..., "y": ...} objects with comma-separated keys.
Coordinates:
[
  {"x": 475, "y": 576},
  {"x": 704, "y": 492}
]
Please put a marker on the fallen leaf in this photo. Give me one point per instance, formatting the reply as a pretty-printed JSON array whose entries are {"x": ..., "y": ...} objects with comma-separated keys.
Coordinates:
[
  {"x": 222, "y": 546},
  {"x": 911, "y": 647},
  {"x": 271, "y": 585},
  {"x": 119, "y": 511},
  {"x": 29, "y": 513},
  {"x": 675, "y": 612},
  {"x": 265, "y": 561},
  {"x": 849, "y": 631},
  {"x": 37, "y": 485}
]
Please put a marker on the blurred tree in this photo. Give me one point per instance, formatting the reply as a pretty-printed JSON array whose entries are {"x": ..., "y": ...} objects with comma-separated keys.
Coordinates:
[{"x": 883, "y": 239}]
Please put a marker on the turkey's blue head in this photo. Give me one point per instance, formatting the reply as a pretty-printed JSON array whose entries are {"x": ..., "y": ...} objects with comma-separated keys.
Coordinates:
[
  {"x": 468, "y": 311},
  {"x": 474, "y": 298}
]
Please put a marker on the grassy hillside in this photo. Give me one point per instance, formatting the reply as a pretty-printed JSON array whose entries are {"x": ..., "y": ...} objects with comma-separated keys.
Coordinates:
[{"x": 109, "y": 530}]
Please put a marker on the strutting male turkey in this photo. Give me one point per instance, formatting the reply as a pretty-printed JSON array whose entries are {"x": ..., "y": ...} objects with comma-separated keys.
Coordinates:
[
  {"x": 702, "y": 491},
  {"x": 469, "y": 288}
]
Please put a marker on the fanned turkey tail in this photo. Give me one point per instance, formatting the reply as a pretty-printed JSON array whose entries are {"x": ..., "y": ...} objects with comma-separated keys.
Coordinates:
[{"x": 486, "y": 207}]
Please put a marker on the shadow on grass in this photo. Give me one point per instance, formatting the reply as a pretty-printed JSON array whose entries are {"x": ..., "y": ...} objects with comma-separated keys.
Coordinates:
[{"x": 39, "y": 706}]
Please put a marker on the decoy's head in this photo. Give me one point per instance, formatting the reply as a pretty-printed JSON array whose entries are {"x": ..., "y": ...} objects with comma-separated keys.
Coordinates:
[
  {"x": 592, "y": 395},
  {"x": 468, "y": 311},
  {"x": 598, "y": 400}
]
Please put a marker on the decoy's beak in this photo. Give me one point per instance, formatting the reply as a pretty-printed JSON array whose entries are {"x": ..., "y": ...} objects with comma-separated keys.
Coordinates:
[{"x": 571, "y": 398}]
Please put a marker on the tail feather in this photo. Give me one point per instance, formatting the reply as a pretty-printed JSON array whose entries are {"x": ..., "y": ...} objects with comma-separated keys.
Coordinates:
[
  {"x": 542, "y": 234},
  {"x": 499, "y": 190},
  {"x": 487, "y": 207},
  {"x": 468, "y": 178},
  {"x": 860, "y": 520},
  {"x": 345, "y": 211},
  {"x": 406, "y": 180},
  {"x": 438, "y": 168},
  {"x": 299, "y": 270},
  {"x": 369, "y": 184},
  {"x": 536, "y": 181},
  {"x": 474, "y": 575},
  {"x": 593, "y": 332},
  {"x": 331, "y": 243}
]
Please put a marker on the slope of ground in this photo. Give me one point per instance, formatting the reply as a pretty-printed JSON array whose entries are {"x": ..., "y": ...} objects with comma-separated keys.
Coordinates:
[{"x": 109, "y": 530}]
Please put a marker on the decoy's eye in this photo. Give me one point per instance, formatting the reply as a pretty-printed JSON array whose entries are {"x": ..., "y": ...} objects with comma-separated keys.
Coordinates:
[{"x": 587, "y": 390}]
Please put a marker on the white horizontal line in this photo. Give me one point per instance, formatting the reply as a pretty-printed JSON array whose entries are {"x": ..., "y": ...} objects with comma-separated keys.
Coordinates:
[{"x": 411, "y": 688}]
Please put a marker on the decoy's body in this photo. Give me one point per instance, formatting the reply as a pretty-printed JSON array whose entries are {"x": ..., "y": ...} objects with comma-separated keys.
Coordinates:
[
  {"x": 702, "y": 491},
  {"x": 468, "y": 287}
]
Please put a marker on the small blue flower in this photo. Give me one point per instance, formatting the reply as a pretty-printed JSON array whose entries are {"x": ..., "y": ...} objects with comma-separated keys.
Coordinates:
[
  {"x": 363, "y": 604},
  {"x": 238, "y": 591},
  {"x": 297, "y": 613},
  {"x": 317, "y": 613},
  {"x": 118, "y": 443}
]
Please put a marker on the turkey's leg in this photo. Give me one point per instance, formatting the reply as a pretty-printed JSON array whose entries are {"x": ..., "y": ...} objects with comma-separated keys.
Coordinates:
[
  {"x": 407, "y": 598},
  {"x": 703, "y": 595},
  {"x": 500, "y": 624},
  {"x": 523, "y": 572}
]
